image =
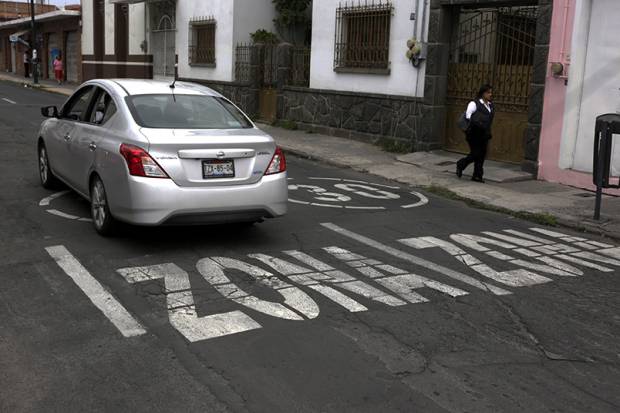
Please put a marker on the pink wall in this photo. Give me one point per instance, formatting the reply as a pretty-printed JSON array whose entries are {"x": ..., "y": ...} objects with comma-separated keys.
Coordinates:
[{"x": 555, "y": 96}]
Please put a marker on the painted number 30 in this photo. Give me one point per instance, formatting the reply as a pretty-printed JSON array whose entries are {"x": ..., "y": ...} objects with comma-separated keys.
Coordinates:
[{"x": 366, "y": 191}]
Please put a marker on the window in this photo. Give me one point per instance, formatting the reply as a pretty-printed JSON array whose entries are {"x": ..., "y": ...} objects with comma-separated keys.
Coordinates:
[
  {"x": 77, "y": 107},
  {"x": 186, "y": 112},
  {"x": 202, "y": 42},
  {"x": 363, "y": 38},
  {"x": 103, "y": 110}
]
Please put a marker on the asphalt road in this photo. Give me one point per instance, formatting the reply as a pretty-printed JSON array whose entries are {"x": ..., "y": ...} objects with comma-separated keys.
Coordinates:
[{"x": 430, "y": 308}]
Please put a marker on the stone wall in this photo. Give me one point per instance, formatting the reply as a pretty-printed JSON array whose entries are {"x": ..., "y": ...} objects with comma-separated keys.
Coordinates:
[
  {"x": 366, "y": 117},
  {"x": 241, "y": 94}
]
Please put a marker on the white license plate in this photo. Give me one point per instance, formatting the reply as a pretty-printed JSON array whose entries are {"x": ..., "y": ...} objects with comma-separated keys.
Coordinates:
[{"x": 215, "y": 168}]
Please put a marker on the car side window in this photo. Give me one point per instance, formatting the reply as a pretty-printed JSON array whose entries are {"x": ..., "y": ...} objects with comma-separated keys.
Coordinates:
[
  {"x": 77, "y": 107},
  {"x": 103, "y": 110}
]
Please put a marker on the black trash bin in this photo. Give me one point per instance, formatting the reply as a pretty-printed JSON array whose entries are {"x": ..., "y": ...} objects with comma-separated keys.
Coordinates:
[{"x": 606, "y": 126}]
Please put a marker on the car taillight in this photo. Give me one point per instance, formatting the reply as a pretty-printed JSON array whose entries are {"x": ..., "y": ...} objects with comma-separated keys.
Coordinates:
[
  {"x": 277, "y": 164},
  {"x": 140, "y": 162}
]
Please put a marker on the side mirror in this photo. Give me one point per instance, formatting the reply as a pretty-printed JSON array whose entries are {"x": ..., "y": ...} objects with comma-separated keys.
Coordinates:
[{"x": 49, "y": 112}]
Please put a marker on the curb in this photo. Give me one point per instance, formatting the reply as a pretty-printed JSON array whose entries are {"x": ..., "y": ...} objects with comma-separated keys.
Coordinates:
[
  {"x": 44, "y": 88},
  {"x": 575, "y": 224}
]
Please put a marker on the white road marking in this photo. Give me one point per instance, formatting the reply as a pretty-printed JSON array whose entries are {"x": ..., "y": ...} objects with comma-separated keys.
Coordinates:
[
  {"x": 9, "y": 101},
  {"x": 98, "y": 295},
  {"x": 423, "y": 201},
  {"x": 328, "y": 275},
  {"x": 181, "y": 308},
  {"x": 354, "y": 181},
  {"x": 417, "y": 260},
  {"x": 212, "y": 270},
  {"x": 368, "y": 208},
  {"x": 298, "y": 202},
  {"x": 62, "y": 214},
  {"x": 49, "y": 199},
  {"x": 513, "y": 278},
  {"x": 396, "y": 280}
]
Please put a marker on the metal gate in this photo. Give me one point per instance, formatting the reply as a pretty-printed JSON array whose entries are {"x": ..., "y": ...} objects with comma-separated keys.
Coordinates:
[
  {"x": 163, "y": 47},
  {"x": 268, "y": 94},
  {"x": 496, "y": 46}
]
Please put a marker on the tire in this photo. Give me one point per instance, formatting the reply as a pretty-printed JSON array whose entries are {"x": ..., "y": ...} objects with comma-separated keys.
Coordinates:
[
  {"x": 103, "y": 221},
  {"x": 48, "y": 179}
]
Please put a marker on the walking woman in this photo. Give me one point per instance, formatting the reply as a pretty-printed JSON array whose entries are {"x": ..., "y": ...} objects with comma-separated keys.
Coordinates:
[
  {"x": 58, "y": 69},
  {"x": 480, "y": 113}
]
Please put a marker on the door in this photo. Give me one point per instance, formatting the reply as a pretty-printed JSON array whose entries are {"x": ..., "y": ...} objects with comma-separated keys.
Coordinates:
[
  {"x": 71, "y": 58},
  {"x": 67, "y": 129},
  {"x": 163, "y": 48},
  {"x": 87, "y": 136},
  {"x": 495, "y": 46},
  {"x": 601, "y": 82},
  {"x": 53, "y": 47},
  {"x": 268, "y": 94}
]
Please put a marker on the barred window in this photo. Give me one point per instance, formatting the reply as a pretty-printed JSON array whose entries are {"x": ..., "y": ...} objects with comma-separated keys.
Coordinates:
[
  {"x": 363, "y": 37},
  {"x": 202, "y": 41}
]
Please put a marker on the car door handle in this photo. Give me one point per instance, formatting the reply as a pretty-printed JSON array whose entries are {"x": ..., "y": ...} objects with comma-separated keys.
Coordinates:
[
  {"x": 67, "y": 137},
  {"x": 92, "y": 146}
]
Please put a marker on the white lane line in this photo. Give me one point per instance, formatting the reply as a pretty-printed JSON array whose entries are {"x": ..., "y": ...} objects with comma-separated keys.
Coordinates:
[
  {"x": 417, "y": 260},
  {"x": 49, "y": 199},
  {"x": 98, "y": 295},
  {"x": 354, "y": 181},
  {"x": 9, "y": 101},
  {"x": 368, "y": 207}
]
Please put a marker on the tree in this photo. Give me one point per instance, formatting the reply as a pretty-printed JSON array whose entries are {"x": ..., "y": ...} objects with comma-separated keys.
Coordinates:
[{"x": 293, "y": 21}]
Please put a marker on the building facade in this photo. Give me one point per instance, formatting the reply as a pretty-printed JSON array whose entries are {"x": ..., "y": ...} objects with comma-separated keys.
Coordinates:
[
  {"x": 586, "y": 43},
  {"x": 58, "y": 33},
  {"x": 168, "y": 38}
]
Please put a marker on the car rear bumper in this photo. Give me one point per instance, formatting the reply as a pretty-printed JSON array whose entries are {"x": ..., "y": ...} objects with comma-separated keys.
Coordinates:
[{"x": 149, "y": 201}]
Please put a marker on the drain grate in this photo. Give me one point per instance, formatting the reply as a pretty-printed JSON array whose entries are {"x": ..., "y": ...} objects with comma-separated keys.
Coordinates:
[{"x": 446, "y": 163}]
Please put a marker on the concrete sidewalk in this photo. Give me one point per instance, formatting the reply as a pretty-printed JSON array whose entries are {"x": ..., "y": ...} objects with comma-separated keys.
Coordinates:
[
  {"x": 507, "y": 189},
  {"x": 47, "y": 85}
]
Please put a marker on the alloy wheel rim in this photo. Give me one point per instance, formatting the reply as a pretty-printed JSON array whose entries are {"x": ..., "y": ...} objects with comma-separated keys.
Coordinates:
[
  {"x": 98, "y": 204},
  {"x": 43, "y": 168}
]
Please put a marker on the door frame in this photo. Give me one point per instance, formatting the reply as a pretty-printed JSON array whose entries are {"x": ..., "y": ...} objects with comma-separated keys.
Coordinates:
[{"x": 442, "y": 17}]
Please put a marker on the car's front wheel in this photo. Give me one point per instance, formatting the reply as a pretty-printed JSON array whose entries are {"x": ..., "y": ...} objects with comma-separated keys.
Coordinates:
[
  {"x": 104, "y": 222},
  {"x": 48, "y": 179}
]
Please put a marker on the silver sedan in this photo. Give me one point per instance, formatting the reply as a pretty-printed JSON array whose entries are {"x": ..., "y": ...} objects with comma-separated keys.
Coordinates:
[{"x": 154, "y": 153}]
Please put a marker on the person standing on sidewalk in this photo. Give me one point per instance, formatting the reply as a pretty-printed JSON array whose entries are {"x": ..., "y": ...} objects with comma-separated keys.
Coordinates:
[
  {"x": 26, "y": 64},
  {"x": 58, "y": 69},
  {"x": 480, "y": 113}
]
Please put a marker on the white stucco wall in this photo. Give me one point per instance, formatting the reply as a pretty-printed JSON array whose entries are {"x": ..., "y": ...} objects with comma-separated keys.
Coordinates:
[
  {"x": 136, "y": 28},
  {"x": 594, "y": 82},
  {"x": 88, "y": 40},
  {"x": 223, "y": 12},
  {"x": 251, "y": 15},
  {"x": 109, "y": 29},
  {"x": 403, "y": 79}
]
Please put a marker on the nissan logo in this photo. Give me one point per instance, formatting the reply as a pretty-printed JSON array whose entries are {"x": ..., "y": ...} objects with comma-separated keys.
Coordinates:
[{"x": 220, "y": 155}]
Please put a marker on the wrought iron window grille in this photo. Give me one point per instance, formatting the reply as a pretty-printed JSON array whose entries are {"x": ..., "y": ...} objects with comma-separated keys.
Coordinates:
[
  {"x": 362, "y": 39},
  {"x": 202, "y": 33}
]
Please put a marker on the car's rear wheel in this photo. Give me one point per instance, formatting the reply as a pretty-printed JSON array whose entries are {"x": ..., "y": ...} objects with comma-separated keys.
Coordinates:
[
  {"x": 104, "y": 222},
  {"x": 48, "y": 179}
]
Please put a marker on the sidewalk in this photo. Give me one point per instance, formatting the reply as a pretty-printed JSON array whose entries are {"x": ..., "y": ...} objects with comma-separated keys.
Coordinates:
[
  {"x": 47, "y": 85},
  {"x": 507, "y": 190}
]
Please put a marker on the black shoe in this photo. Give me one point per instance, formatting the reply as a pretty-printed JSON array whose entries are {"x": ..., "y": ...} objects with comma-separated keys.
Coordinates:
[
  {"x": 477, "y": 179},
  {"x": 459, "y": 171}
]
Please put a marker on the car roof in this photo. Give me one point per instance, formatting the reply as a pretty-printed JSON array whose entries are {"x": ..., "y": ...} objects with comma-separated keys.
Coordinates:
[{"x": 154, "y": 87}]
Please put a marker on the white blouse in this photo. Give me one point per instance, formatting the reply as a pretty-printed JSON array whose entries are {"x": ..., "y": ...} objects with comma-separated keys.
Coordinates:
[{"x": 472, "y": 108}]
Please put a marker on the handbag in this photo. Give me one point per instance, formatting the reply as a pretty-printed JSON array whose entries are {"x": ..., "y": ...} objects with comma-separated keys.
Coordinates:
[{"x": 463, "y": 123}]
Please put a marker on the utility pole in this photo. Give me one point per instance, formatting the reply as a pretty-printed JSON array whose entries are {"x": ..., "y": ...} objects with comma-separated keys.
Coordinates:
[{"x": 33, "y": 45}]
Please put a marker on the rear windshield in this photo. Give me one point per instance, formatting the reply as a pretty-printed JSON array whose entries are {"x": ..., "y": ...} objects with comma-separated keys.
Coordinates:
[{"x": 186, "y": 112}]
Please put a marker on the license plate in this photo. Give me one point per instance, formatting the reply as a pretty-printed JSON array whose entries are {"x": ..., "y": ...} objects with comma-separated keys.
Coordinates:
[{"x": 215, "y": 168}]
